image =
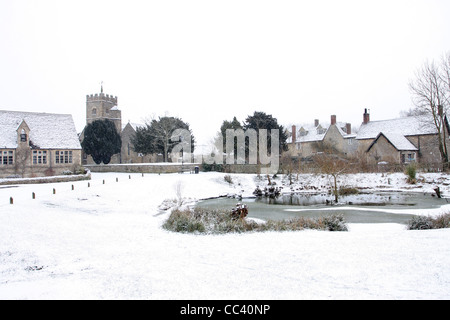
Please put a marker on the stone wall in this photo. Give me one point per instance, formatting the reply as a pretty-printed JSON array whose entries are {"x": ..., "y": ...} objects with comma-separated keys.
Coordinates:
[
  {"x": 172, "y": 168},
  {"x": 145, "y": 167},
  {"x": 428, "y": 146}
]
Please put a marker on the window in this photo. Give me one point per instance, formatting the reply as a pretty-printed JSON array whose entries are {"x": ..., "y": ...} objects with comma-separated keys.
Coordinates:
[
  {"x": 59, "y": 157},
  {"x": 6, "y": 158},
  {"x": 39, "y": 157},
  {"x": 94, "y": 111},
  {"x": 303, "y": 132},
  {"x": 62, "y": 157},
  {"x": 408, "y": 157},
  {"x": 23, "y": 136}
]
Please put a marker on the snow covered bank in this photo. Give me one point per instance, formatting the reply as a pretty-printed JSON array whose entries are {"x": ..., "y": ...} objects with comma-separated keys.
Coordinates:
[{"x": 106, "y": 242}]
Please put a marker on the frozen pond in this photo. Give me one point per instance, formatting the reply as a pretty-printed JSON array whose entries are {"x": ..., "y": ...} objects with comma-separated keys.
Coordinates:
[{"x": 380, "y": 207}]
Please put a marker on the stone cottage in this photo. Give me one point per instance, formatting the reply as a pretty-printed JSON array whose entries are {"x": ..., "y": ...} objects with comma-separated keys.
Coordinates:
[
  {"x": 393, "y": 141},
  {"x": 37, "y": 144},
  {"x": 400, "y": 140},
  {"x": 337, "y": 137}
]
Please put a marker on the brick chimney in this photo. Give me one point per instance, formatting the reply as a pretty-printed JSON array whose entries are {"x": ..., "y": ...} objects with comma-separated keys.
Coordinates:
[
  {"x": 294, "y": 134},
  {"x": 349, "y": 128},
  {"x": 333, "y": 119},
  {"x": 366, "y": 116},
  {"x": 316, "y": 122}
]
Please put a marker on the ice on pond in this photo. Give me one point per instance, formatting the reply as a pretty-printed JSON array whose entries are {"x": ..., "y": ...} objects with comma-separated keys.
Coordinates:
[{"x": 380, "y": 207}]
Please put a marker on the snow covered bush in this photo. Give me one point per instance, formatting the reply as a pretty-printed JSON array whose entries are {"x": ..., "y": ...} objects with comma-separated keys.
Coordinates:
[
  {"x": 206, "y": 221},
  {"x": 427, "y": 222},
  {"x": 220, "y": 221},
  {"x": 182, "y": 221},
  {"x": 442, "y": 221},
  {"x": 327, "y": 223},
  {"x": 333, "y": 222},
  {"x": 420, "y": 223}
]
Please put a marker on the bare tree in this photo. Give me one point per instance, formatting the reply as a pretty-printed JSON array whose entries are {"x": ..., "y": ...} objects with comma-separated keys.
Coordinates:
[
  {"x": 431, "y": 91},
  {"x": 445, "y": 75},
  {"x": 288, "y": 165},
  {"x": 179, "y": 186},
  {"x": 333, "y": 166}
]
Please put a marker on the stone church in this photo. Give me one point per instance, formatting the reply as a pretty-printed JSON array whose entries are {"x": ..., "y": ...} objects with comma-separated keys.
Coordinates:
[{"x": 102, "y": 106}]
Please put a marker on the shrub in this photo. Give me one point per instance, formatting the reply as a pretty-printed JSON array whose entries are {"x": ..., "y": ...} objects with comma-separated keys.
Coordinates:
[
  {"x": 420, "y": 223},
  {"x": 212, "y": 167},
  {"x": 442, "y": 221},
  {"x": 345, "y": 191},
  {"x": 411, "y": 173},
  {"x": 334, "y": 222},
  {"x": 181, "y": 221},
  {"x": 427, "y": 222},
  {"x": 220, "y": 222}
]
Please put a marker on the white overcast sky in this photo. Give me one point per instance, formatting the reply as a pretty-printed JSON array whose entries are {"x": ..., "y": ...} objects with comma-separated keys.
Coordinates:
[{"x": 207, "y": 61}]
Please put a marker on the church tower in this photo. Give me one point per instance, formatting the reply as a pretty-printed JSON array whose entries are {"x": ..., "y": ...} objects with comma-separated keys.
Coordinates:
[{"x": 101, "y": 106}]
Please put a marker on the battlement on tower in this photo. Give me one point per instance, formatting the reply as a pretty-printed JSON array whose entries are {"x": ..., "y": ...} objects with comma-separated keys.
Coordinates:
[{"x": 101, "y": 97}]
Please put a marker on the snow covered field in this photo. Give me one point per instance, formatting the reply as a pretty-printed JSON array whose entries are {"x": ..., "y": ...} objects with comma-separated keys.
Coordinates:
[{"x": 106, "y": 242}]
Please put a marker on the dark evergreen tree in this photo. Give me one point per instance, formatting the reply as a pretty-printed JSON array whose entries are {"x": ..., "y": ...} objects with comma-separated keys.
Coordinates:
[
  {"x": 234, "y": 125},
  {"x": 101, "y": 141},
  {"x": 261, "y": 120}
]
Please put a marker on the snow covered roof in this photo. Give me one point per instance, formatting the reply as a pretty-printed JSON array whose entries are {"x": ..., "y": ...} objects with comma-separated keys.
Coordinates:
[
  {"x": 47, "y": 130},
  {"x": 133, "y": 125},
  {"x": 310, "y": 133},
  {"x": 341, "y": 126},
  {"x": 397, "y": 140},
  {"x": 409, "y": 126}
]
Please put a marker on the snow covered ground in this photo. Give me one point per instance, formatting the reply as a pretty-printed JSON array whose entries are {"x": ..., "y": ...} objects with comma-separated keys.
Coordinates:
[{"x": 106, "y": 242}]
